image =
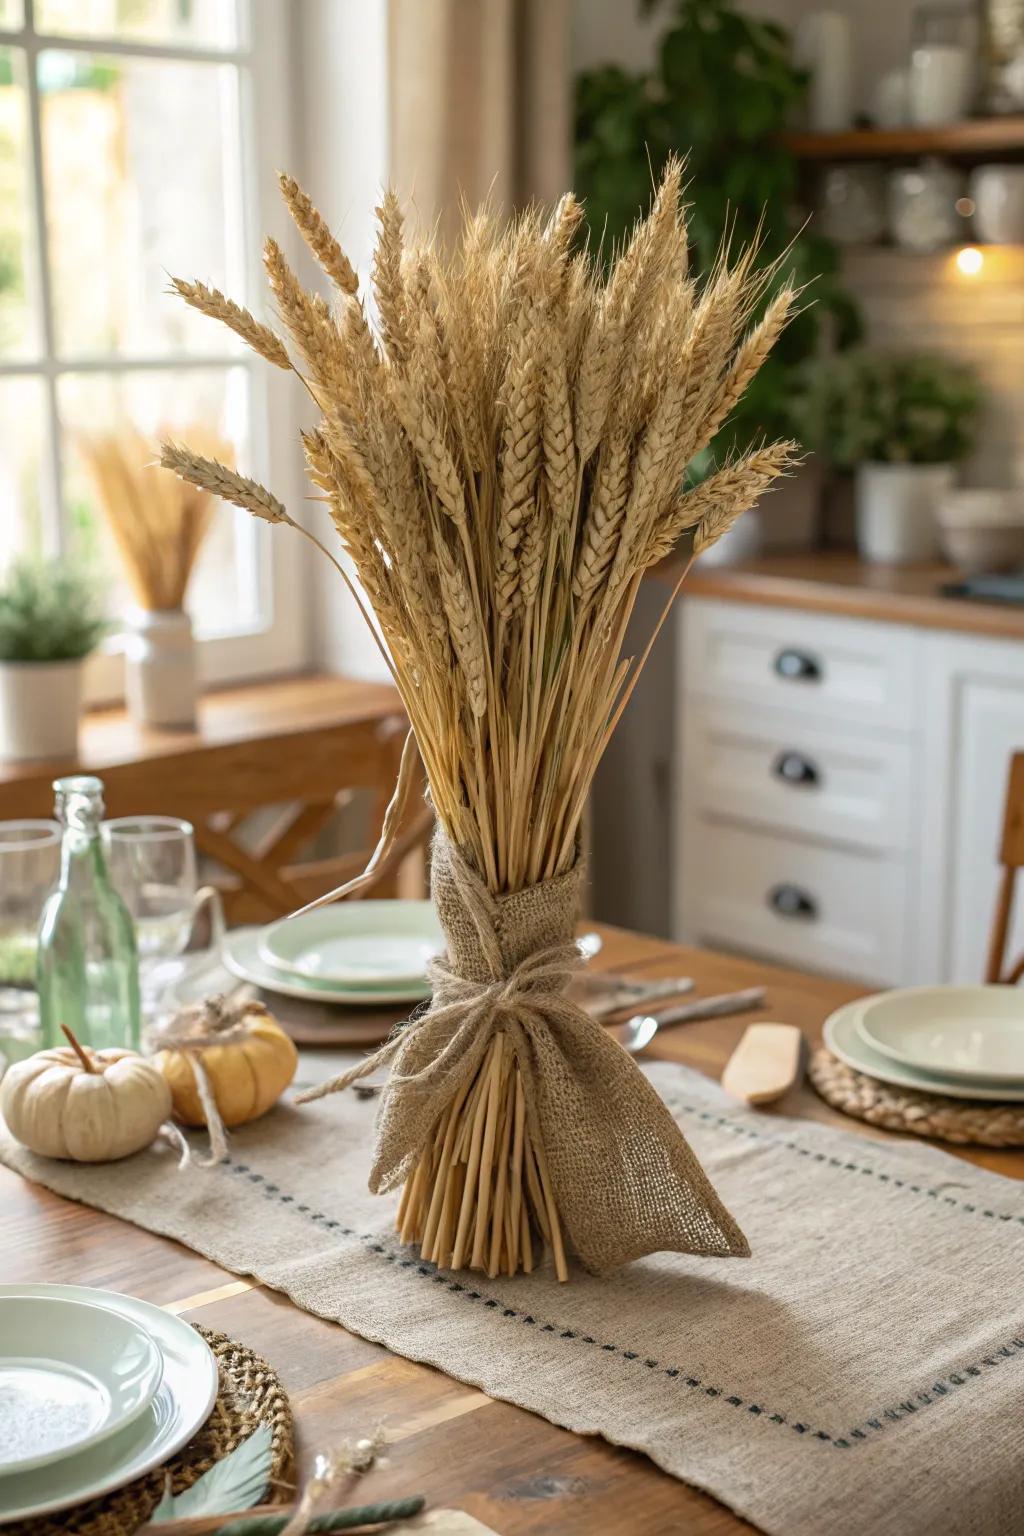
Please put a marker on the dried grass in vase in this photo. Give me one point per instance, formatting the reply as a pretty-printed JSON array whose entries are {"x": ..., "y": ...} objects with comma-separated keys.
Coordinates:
[
  {"x": 503, "y": 458},
  {"x": 157, "y": 520}
]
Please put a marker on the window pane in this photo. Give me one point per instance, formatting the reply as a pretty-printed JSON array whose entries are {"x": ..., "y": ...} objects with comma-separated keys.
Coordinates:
[
  {"x": 23, "y": 435},
  {"x": 11, "y": 13},
  {"x": 212, "y": 23},
  {"x": 18, "y": 335},
  {"x": 225, "y": 591},
  {"x": 141, "y": 162}
]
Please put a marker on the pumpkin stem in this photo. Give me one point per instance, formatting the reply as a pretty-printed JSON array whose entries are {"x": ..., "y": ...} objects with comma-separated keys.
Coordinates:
[{"x": 78, "y": 1049}]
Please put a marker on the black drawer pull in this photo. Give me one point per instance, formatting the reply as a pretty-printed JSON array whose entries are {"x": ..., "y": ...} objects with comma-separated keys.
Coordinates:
[
  {"x": 794, "y": 768},
  {"x": 798, "y": 666},
  {"x": 791, "y": 901}
]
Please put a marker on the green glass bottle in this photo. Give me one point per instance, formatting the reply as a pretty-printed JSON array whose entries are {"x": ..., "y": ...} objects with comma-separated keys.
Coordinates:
[{"x": 87, "y": 967}]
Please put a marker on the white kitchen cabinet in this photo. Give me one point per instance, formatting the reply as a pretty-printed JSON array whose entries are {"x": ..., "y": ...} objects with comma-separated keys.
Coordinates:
[
  {"x": 974, "y": 720},
  {"x": 838, "y": 790}
]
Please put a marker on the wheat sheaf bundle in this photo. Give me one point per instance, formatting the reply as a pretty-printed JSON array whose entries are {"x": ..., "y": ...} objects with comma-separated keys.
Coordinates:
[
  {"x": 502, "y": 453},
  {"x": 158, "y": 521}
]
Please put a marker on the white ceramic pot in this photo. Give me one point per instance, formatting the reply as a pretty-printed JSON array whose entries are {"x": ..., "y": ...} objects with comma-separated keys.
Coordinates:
[
  {"x": 160, "y": 669},
  {"x": 40, "y": 707},
  {"x": 896, "y": 511},
  {"x": 983, "y": 530},
  {"x": 998, "y": 195}
]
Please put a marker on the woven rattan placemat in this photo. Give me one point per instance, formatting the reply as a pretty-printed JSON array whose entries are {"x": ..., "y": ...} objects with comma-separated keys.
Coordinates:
[
  {"x": 919, "y": 1114},
  {"x": 250, "y": 1395}
]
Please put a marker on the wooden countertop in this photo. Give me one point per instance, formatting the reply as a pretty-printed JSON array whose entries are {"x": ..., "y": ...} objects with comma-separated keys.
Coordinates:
[
  {"x": 516, "y": 1472},
  {"x": 110, "y": 738},
  {"x": 837, "y": 582}
]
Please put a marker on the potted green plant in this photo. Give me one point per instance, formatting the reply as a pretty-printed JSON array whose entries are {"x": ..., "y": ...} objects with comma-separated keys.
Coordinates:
[
  {"x": 901, "y": 423},
  {"x": 50, "y": 620}
]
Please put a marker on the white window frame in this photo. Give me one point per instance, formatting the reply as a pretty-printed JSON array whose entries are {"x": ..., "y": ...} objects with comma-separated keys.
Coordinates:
[{"x": 280, "y": 640}]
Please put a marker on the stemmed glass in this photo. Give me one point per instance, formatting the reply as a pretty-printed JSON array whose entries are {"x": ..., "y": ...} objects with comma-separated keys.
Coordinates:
[
  {"x": 29, "y": 867},
  {"x": 152, "y": 862}
]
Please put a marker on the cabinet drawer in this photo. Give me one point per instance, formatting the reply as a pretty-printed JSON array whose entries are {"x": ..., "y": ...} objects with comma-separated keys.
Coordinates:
[
  {"x": 845, "y": 669},
  {"x": 774, "y": 768},
  {"x": 828, "y": 909}
]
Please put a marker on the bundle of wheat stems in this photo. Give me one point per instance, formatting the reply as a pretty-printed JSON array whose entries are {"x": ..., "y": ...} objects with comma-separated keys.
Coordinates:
[
  {"x": 158, "y": 521},
  {"x": 502, "y": 453}
]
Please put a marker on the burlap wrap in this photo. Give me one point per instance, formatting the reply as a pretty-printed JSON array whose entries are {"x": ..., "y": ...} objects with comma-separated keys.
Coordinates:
[{"x": 625, "y": 1180}]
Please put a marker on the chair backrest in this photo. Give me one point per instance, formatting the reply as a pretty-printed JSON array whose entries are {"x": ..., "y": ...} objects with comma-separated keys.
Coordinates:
[{"x": 1011, "y": 857}]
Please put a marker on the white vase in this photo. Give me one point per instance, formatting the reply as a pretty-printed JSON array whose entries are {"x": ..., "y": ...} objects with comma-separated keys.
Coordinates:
[
  {"x": 896, "y": 511},
  {"x": 40, "y": 707},
  {"x": 160, "y": 669}
]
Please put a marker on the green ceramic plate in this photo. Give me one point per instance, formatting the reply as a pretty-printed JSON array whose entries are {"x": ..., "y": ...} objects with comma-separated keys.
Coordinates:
[
  {"x": 182, "y": 1403},
  {"x": 241, "y": 956},
  {"x": 71, "y": 1374},
  {"x": 364, "y": 944}
]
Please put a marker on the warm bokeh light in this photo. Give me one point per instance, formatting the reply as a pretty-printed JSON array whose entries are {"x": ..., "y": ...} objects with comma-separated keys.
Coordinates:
[{"x": 970, "y": 261}]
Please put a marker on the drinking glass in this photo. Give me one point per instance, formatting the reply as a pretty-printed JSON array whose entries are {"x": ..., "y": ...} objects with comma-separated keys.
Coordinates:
[
  {"x": 152, "y": 862},
  {"x": 29, "y": 867}
]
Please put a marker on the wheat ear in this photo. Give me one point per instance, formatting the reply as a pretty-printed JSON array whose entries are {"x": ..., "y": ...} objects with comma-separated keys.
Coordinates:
[
  {"x": 228, "y": 484},
  {"x": 210, "y": 301},
  {"x": 313, "y": 228}
]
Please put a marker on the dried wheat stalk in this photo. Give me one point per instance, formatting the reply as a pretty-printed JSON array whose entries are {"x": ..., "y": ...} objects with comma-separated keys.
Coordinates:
[
  {"x": 158, "y": 521},
  {"x": 503, "y": 459}
]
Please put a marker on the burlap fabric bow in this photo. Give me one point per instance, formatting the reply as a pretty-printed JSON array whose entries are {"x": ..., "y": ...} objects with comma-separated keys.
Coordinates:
[{"x": 625, "y": 1180}]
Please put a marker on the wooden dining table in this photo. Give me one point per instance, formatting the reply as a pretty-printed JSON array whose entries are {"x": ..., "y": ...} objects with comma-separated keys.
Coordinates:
[{"x": 513, "y": 1471}]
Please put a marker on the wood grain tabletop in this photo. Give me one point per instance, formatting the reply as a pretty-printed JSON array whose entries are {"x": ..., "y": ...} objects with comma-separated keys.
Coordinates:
[{"x": 512, "y": 1470}]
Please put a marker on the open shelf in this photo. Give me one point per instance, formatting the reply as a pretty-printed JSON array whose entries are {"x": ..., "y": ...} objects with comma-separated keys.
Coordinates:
[{"x": 976, "y": 138}]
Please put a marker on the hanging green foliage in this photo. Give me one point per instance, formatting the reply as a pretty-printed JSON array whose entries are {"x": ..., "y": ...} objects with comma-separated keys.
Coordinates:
[{"x": 721, "y": 91}]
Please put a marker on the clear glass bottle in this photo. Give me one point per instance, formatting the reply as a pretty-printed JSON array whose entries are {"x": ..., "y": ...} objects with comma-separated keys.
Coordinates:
[{"x": 87, "y": 968}]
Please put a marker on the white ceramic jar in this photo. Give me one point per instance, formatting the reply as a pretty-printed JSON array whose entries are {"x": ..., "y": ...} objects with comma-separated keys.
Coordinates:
[
  {"x": 941, "y": 85},
  {"x": 160, "y": 669},
  {"x": 896, "y": 506},
  {"x": 997, "y": 192},
  {"x": 40, "y": 709}
]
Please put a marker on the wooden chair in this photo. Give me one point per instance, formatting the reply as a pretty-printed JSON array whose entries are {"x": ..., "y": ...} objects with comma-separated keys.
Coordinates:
[
  {"x": 272, "y": 873},
  {"x": 1011, "y": 857}
]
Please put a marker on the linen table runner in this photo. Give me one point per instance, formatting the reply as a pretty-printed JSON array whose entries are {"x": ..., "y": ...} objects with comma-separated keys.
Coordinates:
[{"x": 861, "y": 1373}]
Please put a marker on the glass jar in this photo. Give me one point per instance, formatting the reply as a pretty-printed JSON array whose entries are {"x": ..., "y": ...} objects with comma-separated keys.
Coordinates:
[
  {"x": 87, "y": 969},
  {"x": 852, "y": 204},
  {"x": 922, "y": 206},
  {"x": 943, "y": 64}
]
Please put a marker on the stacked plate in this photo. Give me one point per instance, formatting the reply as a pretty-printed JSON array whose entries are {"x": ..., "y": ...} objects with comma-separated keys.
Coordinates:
[
  {"x": 967, "y": 1042},
  {"x": 358, "y": 952},
  {"x": 95, "y": 1389}
]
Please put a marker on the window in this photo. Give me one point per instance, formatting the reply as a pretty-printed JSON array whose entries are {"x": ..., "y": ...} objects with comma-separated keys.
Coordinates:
[{"x": 138, "y": 138}]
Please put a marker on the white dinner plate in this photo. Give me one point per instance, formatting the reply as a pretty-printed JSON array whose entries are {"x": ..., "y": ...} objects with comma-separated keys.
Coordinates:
[
  {"x": 241, "y": 954},
  {"x": 366, "y": 944},
  {"x": 844, "y": 1040},
  {"x": 974, "y": 1033},
  {"x": 70, "y": 1375},
  {"x": 182, "y": 1403}
]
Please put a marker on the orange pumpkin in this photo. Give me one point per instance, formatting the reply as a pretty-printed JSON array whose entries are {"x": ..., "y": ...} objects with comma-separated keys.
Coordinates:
[{"x": 247, "y": 1076}]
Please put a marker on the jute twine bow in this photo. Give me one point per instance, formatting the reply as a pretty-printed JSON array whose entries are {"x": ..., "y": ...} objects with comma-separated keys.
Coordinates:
[
  {"x": 192, "y": 1030},
  {"x": 625, "y": 1181}
]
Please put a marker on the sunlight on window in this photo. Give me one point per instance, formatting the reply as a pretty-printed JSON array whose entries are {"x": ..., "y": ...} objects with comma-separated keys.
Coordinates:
[
  {"x": 118, "y": 221},
  {"x": 22, "y": 418},
  {"x": 207, "y": 22},
  {"x": 18, "y": 332}
]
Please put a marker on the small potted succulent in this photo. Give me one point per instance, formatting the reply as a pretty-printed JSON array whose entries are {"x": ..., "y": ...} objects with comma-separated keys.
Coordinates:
[
  {"x": 50, "y": 620},
  {"x": 901, "y": 423}
]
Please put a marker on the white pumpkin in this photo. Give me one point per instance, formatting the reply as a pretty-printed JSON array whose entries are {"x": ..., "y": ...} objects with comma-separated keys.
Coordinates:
[{"x": 90, "y": 1106}]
